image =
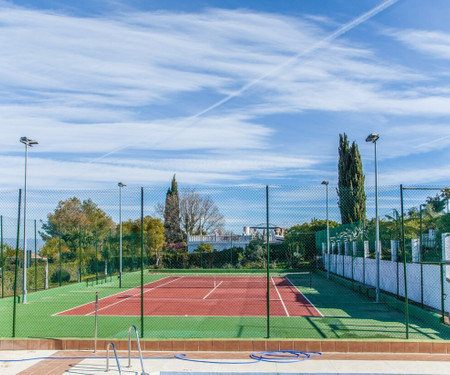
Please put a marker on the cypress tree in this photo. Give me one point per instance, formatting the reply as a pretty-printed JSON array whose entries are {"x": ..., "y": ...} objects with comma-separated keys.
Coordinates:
[
  {"x": 172, "y": 221},
  {"x": 352, "y": 198}
]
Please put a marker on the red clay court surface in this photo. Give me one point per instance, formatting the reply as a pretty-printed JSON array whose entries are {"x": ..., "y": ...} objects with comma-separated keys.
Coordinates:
[{"x": 205, "y": 296}]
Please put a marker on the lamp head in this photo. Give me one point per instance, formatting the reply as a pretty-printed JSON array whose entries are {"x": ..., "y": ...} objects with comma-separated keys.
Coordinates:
[
  {"x": 120, "y": 184},
  {"x": 28, "y": 142},
  {"x": 373, "y": 137},
  {"x": 325, "y": 182}
]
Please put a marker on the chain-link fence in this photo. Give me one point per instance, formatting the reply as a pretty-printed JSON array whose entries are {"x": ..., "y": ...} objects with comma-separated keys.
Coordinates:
[{"x": 235, "y": 262}]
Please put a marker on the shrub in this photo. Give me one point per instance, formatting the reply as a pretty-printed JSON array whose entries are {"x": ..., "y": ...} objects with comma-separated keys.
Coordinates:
[{"x": 65, "y": 276}]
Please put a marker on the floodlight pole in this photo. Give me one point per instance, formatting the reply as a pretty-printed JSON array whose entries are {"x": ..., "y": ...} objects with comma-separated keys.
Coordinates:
[
  {"x": 28, "y": 143},
  {"x": 328, "y": 231},
  {"x": 378, "y": 255},
  {"x": 373, "y": 138},
  {"x": 121, "y": 185}
]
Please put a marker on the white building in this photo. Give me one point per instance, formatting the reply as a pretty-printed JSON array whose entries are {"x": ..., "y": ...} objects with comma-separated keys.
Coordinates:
[{"x": 222, "y": 242}]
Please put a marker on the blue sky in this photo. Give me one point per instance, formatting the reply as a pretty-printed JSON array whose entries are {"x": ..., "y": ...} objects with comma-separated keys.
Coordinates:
[{"x": 222, "y": 92}]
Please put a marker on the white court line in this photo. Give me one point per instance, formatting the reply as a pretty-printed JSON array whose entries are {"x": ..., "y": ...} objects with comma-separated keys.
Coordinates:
[
  {"x": 287, "y": 278},
  {"x": 212, "y": 290},
  {"x": 133, "y": 295},
  {"x": 279, "y": 295},
  {"x": 117, "y": 294}
]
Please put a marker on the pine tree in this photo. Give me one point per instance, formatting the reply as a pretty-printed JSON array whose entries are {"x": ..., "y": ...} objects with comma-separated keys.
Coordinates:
[
  {"x": 352, "y": 198},
  {"x": 172, "y": 229}
]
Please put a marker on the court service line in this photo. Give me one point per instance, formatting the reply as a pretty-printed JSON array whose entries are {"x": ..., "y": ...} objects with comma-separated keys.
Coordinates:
[
  {"x": 312, "y": 305},
  {"x": 212, "y": 290},
  {"x": 117, "y": 294},
  {"x": 133, "y": 295},
  {"x": 279, "y": 295}
]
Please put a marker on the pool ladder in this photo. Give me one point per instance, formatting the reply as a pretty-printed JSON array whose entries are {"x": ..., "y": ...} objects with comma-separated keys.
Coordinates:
[
  {"x": 129, "y": 352},
  {"x": 115, "y": 355},
  {"x": 139, "y": 348}
]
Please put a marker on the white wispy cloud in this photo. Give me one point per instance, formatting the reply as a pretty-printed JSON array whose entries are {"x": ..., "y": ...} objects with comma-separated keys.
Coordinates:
[
  {"x": 123, "y": 83},
  {"x": 410, "y": 176},
  {"x": 432, "y": 43},
  {"x": 226, "y": 132}
]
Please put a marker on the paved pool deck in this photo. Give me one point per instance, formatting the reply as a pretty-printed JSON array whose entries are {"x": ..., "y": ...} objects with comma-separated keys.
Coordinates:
[{"x": 87, "y": 363}]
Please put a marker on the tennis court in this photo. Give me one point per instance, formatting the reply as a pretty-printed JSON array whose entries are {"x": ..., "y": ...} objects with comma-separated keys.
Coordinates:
[
  {"x": 205, "y": 296},
  {"x": 195, "y": 304}
]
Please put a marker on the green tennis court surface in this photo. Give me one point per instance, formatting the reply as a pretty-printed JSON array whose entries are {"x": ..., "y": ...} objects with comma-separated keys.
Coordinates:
[{"x": 346, "y": 313}]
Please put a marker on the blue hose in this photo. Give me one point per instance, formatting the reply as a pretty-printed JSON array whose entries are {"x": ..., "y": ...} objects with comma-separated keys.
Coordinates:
[
  {"x": 280, "y": 356},
  {"x": 284, "y": 356}
]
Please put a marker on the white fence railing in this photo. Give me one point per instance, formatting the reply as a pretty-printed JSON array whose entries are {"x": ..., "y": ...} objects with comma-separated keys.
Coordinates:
[{"x": 423, "y": 280}]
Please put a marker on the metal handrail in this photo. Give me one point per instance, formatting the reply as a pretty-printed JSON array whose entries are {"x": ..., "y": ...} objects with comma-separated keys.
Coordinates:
[
  {"x": 115, "y": 354},
  {"x": 139, "y": 348}
]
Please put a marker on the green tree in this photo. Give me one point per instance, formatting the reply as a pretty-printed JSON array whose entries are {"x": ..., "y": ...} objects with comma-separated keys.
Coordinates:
[
  {"x": 255, "y": 254},
  {"x": 204, "y": 248},
  {"x": 72, "y": 217},
  {"x": 445, "y": 193},
  {"x": 9, "y": 257},
  {"x": 301, "y": 238},
  {"x": 172, "y": 221},
  {"x": 443, "y": 223},
  {"x": 435, "y": 205},
  {"x": 154, "y": 239},
  {"x": 50, "y": 249},
  {"x": 352, "y": 198}
]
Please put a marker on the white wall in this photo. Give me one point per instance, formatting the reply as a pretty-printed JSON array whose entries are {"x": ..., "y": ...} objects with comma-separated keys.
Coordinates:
[{"x": 389, "y": 276}]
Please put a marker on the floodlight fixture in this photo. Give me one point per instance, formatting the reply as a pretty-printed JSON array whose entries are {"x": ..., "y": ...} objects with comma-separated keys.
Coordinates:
[
  {"x": 121, "y": 184},
  {"x": 373, "y": 137},
  {"x": 325, "y": 182},
  {"x": 28, "y": 142}
]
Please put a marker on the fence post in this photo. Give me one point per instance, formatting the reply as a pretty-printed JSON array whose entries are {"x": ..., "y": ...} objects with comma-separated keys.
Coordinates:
[
  {"x": 404, "y": 265},
  {"x": 354, "y": 248},
  {"x": 59, "y": 247},
  {"x": 35, "y": 257},
  {"x": 17, "y": 265},
  {"x": 79, "y": 245},
  {"x": 231, "y": 250},
  {"x": 268, "y": 262},
  {"x": 441, "y": 269},
  {"x": 446, "y": 250},
  {"x": 415, "y": 246},
  {"x": 142, "y": 262},
  {"x": 394, "y": 258},
  {"x": 393, "y": 250},
  {"x": 1, "y": 247},
  {"x": 366, "y": 249},
  {"x": 446, "y": 253},
  {"x": 366, "y": 254},
  {"x": 46, "y": 274},
  {"x": 96, "y": 257}
]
